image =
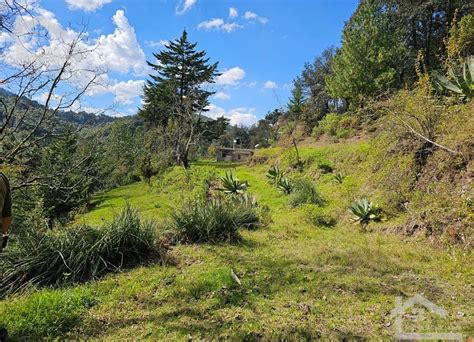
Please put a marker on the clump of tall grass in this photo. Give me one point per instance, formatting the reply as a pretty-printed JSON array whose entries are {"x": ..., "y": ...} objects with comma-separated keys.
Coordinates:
[
  {"x": 305, "y": 192},
  {"x": 216, "y": 220},
  {"x": 78, "y": 254}
]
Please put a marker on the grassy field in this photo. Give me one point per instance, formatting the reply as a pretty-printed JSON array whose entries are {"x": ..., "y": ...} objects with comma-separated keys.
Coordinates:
[{"x": 299, "y": 281}]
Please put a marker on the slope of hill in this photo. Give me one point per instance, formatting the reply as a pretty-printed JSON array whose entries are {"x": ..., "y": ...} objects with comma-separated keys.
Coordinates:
[
  {"x": 301, "y": 280},
  {"x": 66, "y": 117}
]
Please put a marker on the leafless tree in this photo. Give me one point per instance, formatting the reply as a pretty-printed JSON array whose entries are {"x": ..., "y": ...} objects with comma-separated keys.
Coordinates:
[{"x": 57, "y": 77}]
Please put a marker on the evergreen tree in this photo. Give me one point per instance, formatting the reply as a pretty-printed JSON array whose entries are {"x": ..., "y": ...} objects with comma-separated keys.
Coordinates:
[
  {"x": 371, "y": 53},
  {"x": 175, "y": 96},
  {"x": 296, "y": 102},
  {"x": 67, "y": 179}
]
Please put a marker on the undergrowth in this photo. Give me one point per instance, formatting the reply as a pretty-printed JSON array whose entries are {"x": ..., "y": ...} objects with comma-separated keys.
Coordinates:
[{"x": 79, "y": 253}]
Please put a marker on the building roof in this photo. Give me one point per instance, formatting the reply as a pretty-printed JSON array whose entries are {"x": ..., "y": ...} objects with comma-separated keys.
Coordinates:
[{"x": 230, "y": 149}]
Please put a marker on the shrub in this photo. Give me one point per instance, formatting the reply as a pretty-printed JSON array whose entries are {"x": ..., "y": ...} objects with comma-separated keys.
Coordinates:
[
  {"x": 274, "y": 174},
  {"x": 338, "y": 178},
  {"x": 305, "y": 192},
  {"x": 318, "y": 216},
  {"x": 77, "y": 254},
  {"x": 459, "y": 81},
  {"x": 363, "y": 211},
  {"x": 233, "y": 186},
  {"x": 336, "y": 125},
  {"x": 218, "y": 220},
  {"x": 325, "y": 167},
  {"x": 285, "y": 185}
]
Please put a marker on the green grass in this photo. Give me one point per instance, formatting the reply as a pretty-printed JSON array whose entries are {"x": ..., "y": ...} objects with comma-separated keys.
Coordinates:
[{"x": 299, "y": 281}]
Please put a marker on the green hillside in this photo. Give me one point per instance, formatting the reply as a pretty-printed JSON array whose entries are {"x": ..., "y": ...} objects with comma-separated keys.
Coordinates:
[{"x": 299, "y": 280}]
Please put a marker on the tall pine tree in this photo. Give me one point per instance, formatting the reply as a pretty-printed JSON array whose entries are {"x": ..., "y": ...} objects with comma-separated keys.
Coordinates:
[
  {"x": 175, "y": 96},
  {"x": 296, "y": 102}
]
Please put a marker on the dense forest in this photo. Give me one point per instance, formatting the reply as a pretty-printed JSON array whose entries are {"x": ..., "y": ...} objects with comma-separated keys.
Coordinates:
[{"x": 377, "y": 131}]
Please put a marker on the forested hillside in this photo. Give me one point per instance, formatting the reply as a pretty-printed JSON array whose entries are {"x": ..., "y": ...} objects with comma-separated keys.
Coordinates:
[{"x": 359, "y": 190}]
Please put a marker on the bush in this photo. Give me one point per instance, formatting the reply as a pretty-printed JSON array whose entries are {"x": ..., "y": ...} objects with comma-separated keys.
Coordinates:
[
  {"x": 274, "y": 174},
  {"x": 318, "y": 216},
  {"x": 325, "y": 167},
  {"x": 285, "y": 185},
  {"x": 305, "y": 192},
  {"x": 77, "y": 254},
  {"x": 217, "y": 220},
  {"x": 233, "y": 186},
  {"x": 336, "y": 125},
  {"x": 363, "y": 211}
]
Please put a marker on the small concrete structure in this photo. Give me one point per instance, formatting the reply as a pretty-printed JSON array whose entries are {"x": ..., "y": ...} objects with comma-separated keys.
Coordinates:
[{"x": 233, "y": 154}]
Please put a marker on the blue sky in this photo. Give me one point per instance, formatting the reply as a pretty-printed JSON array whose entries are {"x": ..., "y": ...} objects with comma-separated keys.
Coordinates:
[{"x": 261, "y": 46}]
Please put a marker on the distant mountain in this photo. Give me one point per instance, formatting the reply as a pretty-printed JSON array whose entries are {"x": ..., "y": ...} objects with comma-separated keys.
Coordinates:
[
  {"x": 69, "y": 117},
  {"x": 84, "y": 118}
]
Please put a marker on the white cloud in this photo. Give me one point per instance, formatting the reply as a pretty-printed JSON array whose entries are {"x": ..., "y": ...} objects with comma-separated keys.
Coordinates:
[
  {"x": 121, "y": 50},
  {"x": 242, "y": 116},
  {"x": 118, "y": 51},
  {"x": 254, "y": 16},
  {"x": 230, "y": 76},
  {"x": 125, "y": 92},
  {"x": 230, "y": 27},
  {"x": 211, "y": 24},
  {"x": 218, "y": 24},
  {"x": 154, "y": 44},
  {"x": 270, "y": 85},
  {"x": 222, "y": 96},
  {"x": 233, "y": 13},
  {"x": 214, "y": 111},
  {"x": 238, "y": 116},
  {"x": 87, "y": 5},
  {"x": 184, "y": 6}
]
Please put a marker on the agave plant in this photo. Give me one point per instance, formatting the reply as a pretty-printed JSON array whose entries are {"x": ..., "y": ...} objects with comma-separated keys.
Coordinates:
[
  {"x": 274, "y": 174},
  {"x": 338, "y": 178},
  {"x": 285, "y": 185},
  {"x": 233, "y": 186},
  {"x": 363, "y": 211},
  {"x": 460, "y": 83}
]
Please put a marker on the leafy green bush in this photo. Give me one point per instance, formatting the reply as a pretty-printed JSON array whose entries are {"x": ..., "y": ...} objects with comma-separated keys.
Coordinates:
[
  {"x": 363, "y": 211},
  {"x": 336, "y": 125},
  {"x": 305, "y": 192},
  {"x": 77, "y": 254},
  {"x": 189, "y": 183},
  {"x": 217, "y": 220},
  {"x": 233, "y": 186},
  {"x": 318, "y": 216},
  {"x": 285, "y": 185}
]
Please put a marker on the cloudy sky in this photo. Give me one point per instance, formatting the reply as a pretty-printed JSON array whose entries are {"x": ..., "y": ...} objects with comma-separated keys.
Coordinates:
[{"x": 260, "y": 45}]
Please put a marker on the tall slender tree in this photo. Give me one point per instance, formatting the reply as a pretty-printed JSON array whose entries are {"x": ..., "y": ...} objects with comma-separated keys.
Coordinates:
[
  {"x": 297, "y": 101},
  {"x": 175, "y": 96}
]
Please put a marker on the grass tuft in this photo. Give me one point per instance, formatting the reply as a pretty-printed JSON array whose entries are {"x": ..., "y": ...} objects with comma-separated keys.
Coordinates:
[
  {"x": 218, "y": 220},
  {"x": 77, "y": 254}
]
